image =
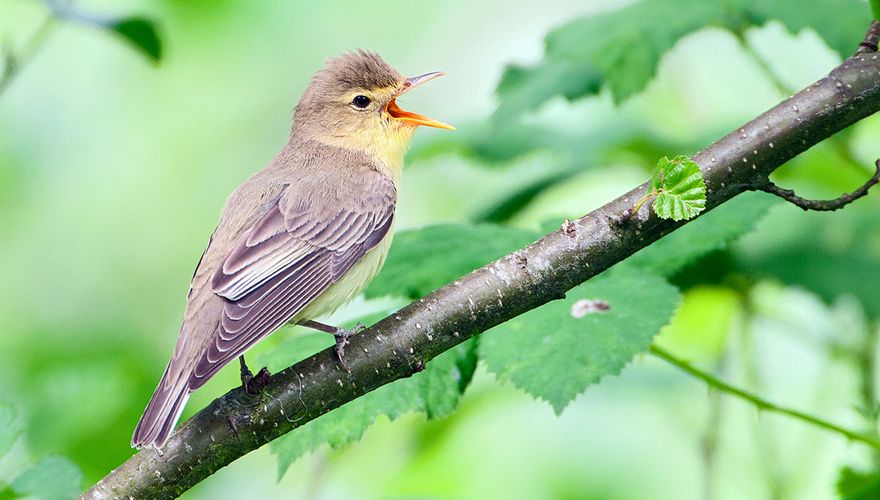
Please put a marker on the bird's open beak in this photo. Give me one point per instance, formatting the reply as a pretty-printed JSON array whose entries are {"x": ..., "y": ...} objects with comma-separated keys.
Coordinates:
[{"x": 413, "y": 118}]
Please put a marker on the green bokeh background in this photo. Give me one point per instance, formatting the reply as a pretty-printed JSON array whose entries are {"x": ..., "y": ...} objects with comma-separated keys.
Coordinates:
[{"x": 113, "y": 172}]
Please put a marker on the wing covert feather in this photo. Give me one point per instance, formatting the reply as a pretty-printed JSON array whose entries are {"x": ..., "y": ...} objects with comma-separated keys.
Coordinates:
[{"x": 297, "y": 250}]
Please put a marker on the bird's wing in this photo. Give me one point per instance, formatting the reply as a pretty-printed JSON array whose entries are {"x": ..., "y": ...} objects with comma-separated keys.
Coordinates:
[{"x": 300, "y": 247}]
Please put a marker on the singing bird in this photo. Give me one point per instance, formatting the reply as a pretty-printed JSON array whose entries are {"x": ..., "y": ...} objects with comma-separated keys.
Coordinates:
[{"x": 302, "y": 236}]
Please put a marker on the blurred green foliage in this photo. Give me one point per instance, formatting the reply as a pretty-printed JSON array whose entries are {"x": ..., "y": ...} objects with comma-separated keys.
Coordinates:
[
  {"x": 139, "y": 32},
  {"x": 112, "y": 173},
  {"x": 426, "y": 259},
  {"x": 621, "y": 49}
]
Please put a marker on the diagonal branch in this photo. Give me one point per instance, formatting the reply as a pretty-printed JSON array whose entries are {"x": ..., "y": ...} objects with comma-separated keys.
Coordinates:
[{"x": 396, "y": 347}]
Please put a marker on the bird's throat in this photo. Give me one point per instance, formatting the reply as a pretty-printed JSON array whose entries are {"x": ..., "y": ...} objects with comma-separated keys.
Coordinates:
[{"x": 387, "y": 146}]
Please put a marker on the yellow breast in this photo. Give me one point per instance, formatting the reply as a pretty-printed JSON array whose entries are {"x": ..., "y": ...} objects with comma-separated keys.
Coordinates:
[{"x": 350, "y": 285}]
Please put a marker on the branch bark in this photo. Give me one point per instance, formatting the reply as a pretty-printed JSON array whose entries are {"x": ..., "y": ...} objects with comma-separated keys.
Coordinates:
[{"x": 397, "y": 347}]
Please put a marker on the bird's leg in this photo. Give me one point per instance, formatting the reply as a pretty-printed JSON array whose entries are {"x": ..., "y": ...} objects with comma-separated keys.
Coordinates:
[
  {"x": 341, "y": 335},
  {"x": 249, "y": 382},
  {"x": 246, "y": 374}
]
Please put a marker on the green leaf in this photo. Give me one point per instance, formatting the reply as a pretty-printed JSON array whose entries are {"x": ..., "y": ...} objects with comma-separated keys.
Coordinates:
[
  {"x": 345, "y": 424},
  {"x": 53, "y": 478},
  {"x": 447, "y": 378},
  {"x": 423, "y": 260},
  {"x": 521, "y": 90},
  {"x": 516, "y": 200},
  {"x": 856, "y": 485},
  {"x": 841, "y": 23},
  {"x": 679, "y": 187},
  {"x": 875, "y": 9},
  {"x": 620, "y": 49},
  {"x": 794, "y": 241},
  {"x": 713, "y": 231},
  {"x": 555, "y": 352},
  {"x": 141, "y": 33},
  {"x": 9, "y": 429},
  {"x": 434, "y": 391}
]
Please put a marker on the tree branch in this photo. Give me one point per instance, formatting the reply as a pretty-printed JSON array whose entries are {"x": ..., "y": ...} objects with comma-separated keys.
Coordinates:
[
  {"x": 396, "y": 347},
  {"x": 759, "y": 402},
  {"x": 822, "y": 205},
  {"x": 872, "y": 38}
]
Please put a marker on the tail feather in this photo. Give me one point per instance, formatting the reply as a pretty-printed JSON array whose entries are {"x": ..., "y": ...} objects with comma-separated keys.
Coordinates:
[{"x": 163, "y": 411}]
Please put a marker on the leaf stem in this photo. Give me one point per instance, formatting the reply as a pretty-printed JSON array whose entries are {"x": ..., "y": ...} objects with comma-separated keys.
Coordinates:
[
  {"x": 638, "y": 206},
  {"x": 759, "y": 402}
]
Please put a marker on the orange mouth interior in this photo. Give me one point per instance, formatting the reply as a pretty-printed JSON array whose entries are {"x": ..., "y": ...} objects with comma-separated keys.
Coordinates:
[{"x": 414, "y": 119}]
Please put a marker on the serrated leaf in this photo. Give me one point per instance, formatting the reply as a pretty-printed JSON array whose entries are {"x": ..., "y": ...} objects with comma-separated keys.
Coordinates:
[
  {"x": 522, "y": 91},
  {"x": 434, "y": 391},
  {"x": 423, "y": 260},
  {"x": 9, "y": 429},
  {"x": 620, "y": 49},
  {"x": 345, "y": 424},
  {"x": 141, "y": 33},
  {"x": 554, "y": 356},
  {"x": 449, "y": 376},
  {"x": 680, "y": 188},
  {"x": 700, "y": 327},
  {"x": 857, "y": 485},
  {"x": 713, "y": 231},
  {"x": 55, "y": 478},
  {"x": 841, "y": 23}
]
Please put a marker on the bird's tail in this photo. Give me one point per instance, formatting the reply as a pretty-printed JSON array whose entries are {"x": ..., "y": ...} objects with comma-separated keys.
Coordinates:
[{"x": 163, "y": 411}]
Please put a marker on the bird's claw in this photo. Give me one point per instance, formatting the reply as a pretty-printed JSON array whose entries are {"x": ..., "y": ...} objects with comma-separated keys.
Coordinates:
[
  {"x": 253, "y": 384},
  {"x": 342, "y": 335},
  {"x": 258, "y": 382}
]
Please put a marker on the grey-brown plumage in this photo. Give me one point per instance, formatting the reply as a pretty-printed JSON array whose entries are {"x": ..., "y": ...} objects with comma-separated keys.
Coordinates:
[{"x": 302, "y": 236}]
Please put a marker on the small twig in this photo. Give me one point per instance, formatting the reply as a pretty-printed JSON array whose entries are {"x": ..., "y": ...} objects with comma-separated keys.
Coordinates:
[
  {"x": 759, "y": 402},
  {"x": 15, "y": 62},
  {"x": 822, "y": 205},
  {"x": 872, "y": 38}
]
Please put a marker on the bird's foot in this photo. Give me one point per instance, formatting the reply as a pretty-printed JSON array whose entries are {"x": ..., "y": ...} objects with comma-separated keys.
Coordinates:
[
  {"x": 259, "y": 381},
  {"x": 342, "y": 335},
  {"x": 249, "y": 382}
]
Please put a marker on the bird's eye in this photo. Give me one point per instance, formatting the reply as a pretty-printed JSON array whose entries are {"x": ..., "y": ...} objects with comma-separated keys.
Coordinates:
[{"x": 360, "y": 101}]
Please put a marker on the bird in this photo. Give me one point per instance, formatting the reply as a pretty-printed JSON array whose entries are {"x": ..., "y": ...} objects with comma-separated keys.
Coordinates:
[{"x": 299, "y": 238}]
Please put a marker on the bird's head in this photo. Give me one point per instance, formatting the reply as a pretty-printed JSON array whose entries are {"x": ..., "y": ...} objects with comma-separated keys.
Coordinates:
[{"x": 352, "y": 103}]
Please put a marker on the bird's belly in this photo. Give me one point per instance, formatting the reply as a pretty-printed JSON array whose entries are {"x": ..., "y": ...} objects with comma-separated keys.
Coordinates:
[{"x": 350, "y": 285}]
